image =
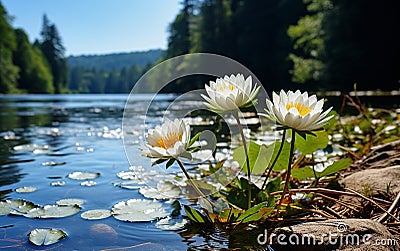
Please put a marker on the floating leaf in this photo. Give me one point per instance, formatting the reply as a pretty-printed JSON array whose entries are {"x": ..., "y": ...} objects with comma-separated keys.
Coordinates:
[
  {"x": 127, "y": 175},
  {"x": 4, "y": 208},
  {"x": 30, "y": 147},
  {"x": 88, "y": 183},
  {"x": 312, "y": 143},
  {"x": 336, "y": 167},
  {"x": 53, "y": 211},
  {"x": 129, "y": 184},
  {"x": 45, "y": 237},
  {"x": 58, "y": 183},
  {"x": 171, "y": 223},
  {"x": 307, "y": 172},
  {"x": 53, "y": 163},
  {"x": 137, "y": 210},
  {"x": 16, "y": 207},
  {"x": 26, "y": 189},
  {"x": 83, "y": 175},
  {"x": 70, "y": 202},
  {"x": 96, "y": 214},
  {"x": 303, "y": 173},
  {"x": 164, "y": 190}
]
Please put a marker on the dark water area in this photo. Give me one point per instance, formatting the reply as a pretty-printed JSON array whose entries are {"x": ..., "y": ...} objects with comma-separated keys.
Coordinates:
[{"x": 43, "y": 138}]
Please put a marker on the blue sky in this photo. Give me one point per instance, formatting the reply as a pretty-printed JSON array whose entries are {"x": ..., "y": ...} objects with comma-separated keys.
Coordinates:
[{"x": 98, "y": 26}]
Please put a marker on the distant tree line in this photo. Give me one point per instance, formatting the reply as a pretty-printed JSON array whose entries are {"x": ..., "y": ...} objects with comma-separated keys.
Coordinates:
[
  {"x": 42, "y": 67},
  {"x": 309, "y": 44},
  {"x": 26, "y": 67}
]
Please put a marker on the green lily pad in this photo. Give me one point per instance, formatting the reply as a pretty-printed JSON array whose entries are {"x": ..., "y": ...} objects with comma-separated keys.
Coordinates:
[
  {"x": 53, "y": 163},
  {"x": 70, "y": 202},
  {"x": 96, "y": 214},
  {"x": 83, "y": 175},
  {"x": 88, "y": 183},
  {"x": 129, "y": 184},
  {"x": 16, "y": 207},
  {"x": 45, "y": 237},
  {"x": 127, "y": 175},
  {"x": 138, "y": 210},
  {"x": 58, "y": 183},
  {"x": 53, "y": 211},
  {"x": 25, "y": 189},
  {"x": 171, "y": 223},
  {"x": 164, "y": 190}
]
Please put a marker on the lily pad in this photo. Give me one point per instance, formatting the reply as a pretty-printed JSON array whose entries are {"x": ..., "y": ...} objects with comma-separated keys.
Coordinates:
[
  {"x": 96, "y": 214},
  {"x": 53, "y": 211},
  {"x": 45, "y": 237},
  {"x": 70, "y": 202},
  {"x": 83, "y": 175},
  {"x": 127, "y": 175},
  {"x": 16, "y": 207},
  {"x": 129, "y": 184},
  {"x": 138, "y": 210},
  {"x": 25, "y": 189},
  {"x": 53, "y": 163},
  {"x": 164, "y": 190},
  {"x": 58, "y": 183},
  {"x": 88, "y": 183},
  {"x": 171, "y": 223}
]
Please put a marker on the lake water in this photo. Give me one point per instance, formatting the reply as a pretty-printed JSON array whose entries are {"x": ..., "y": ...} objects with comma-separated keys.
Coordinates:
[
  {"x": 43, "y": 138},
  {"x": 71, "y": 133}
]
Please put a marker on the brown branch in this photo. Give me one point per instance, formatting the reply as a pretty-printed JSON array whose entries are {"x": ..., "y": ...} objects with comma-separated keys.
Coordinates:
[{"x": 390, "y": 210}]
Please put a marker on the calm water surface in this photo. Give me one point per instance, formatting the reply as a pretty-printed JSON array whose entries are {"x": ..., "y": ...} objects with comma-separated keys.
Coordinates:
[{"x": 80, "y": 133}]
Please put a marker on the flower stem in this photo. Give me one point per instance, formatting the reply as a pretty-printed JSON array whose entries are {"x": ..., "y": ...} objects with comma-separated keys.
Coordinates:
[
  {"x": 289, "y": 169},
  {"x": 193, "y": 183},
  {"x": 275, "y": 160},
  {"x": 247, "y": 161}
]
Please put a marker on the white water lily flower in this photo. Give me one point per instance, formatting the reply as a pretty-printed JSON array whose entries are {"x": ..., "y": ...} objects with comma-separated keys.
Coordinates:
[
  {"x": 170, "y": 140},
  {"x": 297, "y": 110},
  {"x": 230, "y": 93}
]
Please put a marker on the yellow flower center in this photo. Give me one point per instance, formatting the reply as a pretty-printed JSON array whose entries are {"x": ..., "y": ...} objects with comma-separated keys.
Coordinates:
[
  {"x": 169, "y": 141},
  {"x": 303, "y": 110},
  {"x": 223, "y": 87}
]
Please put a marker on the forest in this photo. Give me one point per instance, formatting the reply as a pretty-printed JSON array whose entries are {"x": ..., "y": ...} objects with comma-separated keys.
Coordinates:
[{"x": 307, "y": 44}]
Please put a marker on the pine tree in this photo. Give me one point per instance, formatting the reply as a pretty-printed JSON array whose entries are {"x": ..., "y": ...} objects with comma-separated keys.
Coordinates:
[{"x": 54, "y": 51}]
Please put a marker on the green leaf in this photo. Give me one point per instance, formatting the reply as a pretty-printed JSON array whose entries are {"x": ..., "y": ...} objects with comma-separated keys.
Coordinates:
[
  {"x": 45, "y": 237},
  {"x": 258, "y": 157},
  {"x": 255, "y": 213},
  {"x": 283, "y": 159},
  {"x": 169, "y": 163},
  {"x": 312, "y": 143},
  {"x": 195, "y": 138},
  {"x": 158, "y": 161},
  {"x": 307, "y": 171},
  {"x": 176, "y": 208},
  {"x": 195, "y": 215},
  {"x": 336, "y": 167},
  {"x": 303, "y": 173},
  {"x": 332, "y": 121}
]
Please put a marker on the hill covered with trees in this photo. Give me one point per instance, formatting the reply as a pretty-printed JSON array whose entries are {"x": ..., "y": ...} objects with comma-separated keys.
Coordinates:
[{"x": 308, "y": 44}]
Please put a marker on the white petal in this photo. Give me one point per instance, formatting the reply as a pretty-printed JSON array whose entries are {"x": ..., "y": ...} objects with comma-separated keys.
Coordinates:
[{"x": 275, "y": 98}]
